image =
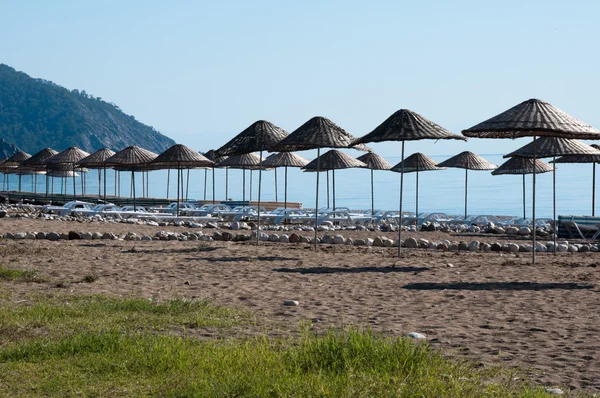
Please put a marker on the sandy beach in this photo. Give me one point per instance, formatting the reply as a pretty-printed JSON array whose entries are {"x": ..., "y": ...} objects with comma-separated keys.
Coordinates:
[{"x": 492, "y": 308}]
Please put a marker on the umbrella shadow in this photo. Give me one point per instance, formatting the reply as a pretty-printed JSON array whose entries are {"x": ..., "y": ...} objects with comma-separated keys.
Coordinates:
[
  {"x": 497, "y": 286},
  {"x": 350, "y": 270},
  {"x": 245, "y": 259}
]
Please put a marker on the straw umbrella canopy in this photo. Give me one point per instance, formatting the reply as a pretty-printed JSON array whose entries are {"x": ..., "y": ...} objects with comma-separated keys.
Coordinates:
[
  {"x": 405, "y": 125},
  {"x": 247, "y": 161},
  {"x": 132, "y": 159},
  {"x": 522, "y": 166},
  {"x": 180, "y": 157},
  {"x": 533, "y": 118},
  {"x": 285, "y": 159},
  {"x": 374, "y": 162},
  {"x": 97, "y": 161},
  {"x": 334, "y": 160},
  {"x": 212, "y": 155},
  {"x": 9, "y": 166},
  {"x": 69, "y": 156},
  {"x": 545, "y": 147},
  {"x": 36, "y": 162},
  {"x": 468, "y": 161},
  {"x": 317, "y": 133},
  {"x": 413, "y": 164},
  {"x": 593, "y": 159},
  {"x": 258, "y": 137}
]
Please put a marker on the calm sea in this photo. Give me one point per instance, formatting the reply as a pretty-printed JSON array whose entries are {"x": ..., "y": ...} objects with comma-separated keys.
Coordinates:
[{"x": 439, "y": 191}]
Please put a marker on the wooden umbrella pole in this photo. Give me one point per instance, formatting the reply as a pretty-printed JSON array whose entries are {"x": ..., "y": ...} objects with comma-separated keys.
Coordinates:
[
  {"x": 133, "y": 189},
  {"x": 177, "y": 205},
  {"x": 119, "y": 185},
  {"x": 226, "y": 183},
  {"x": 333, "y": 181},
  {"x": 524, "y": 214},
  {"x": 466, "y": 190},
  {"x": 213, "y": 187},
  {"x": 276, "y": 196},
  {"x": 593, "y": 189},
  {"x": 417, "y": 199},
  {"x": 400, "y": 215},
  {"x": 46, "y": 189},
  {"x": 35, "y": 184},
  {"x": 317, "y": 196},
  {"x": 327, "y": 188},
  {"x": 131, "y": 186},
  {"x": 205, "y": 176},
  {"x": 553, "y": 199},
  {"x": 259, "y": 192},
  {"x": 244, "y": 187},
  {"x": 168, "y": 181},
  {"x": 372, "y": 195},
  {"x": 285, "y": 190},
  {"x": 250, "y": 186},
  {"x": 533, "y": 209},
  {"x": 99, "y": 181},
  {"x": 104, "y": 184},
  {"x": 147, "y": 182},
  {"x": 74, "y": 187},
  {"x": 187, "y": 185},
  {"x": 116, "y": 183}
]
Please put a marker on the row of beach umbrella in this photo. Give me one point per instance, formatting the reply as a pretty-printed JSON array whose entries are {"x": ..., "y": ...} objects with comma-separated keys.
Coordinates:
[{"x": 533, "y": 118}]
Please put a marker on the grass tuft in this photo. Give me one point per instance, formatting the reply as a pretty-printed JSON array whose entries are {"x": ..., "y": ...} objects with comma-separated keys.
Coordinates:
[{"x": 19, "y": 275}]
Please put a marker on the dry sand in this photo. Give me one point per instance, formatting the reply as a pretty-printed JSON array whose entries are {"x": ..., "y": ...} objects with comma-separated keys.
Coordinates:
[{"x": 489, "y": 307}]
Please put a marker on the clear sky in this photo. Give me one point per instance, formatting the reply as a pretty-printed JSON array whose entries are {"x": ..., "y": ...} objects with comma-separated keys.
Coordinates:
[{"x": 202, "y": 71}]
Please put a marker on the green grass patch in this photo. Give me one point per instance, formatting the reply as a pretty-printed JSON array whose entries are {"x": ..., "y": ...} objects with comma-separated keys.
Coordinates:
[
  {"x": 339, "y": 364},
  {"x": 19, "y": 275},
  {"x": 105, "y": 346},
  {"x": 63, "y": 315}
]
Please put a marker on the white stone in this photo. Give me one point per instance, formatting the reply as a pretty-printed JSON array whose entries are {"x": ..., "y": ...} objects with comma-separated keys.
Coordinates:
[
  {"x": 291, "y": 303},
  {"x": 562, "y": 248},
  {"x": 554, "y": 391},
  {"x": 474, "y": 246},
  {"x": 524, "y": 231},
  {"x": 284, "y": 238},
  {"x": 339, "y": 240},
  {"x": 416, "y": 336}
]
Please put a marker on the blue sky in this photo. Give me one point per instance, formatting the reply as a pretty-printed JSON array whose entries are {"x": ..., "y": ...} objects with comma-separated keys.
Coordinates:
[{"x": 202, "y": 71}]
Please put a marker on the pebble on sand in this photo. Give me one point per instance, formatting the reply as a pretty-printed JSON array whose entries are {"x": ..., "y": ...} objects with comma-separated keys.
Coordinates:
[
  {"x": 416, "y": 336},
  {"x": 291, "y": 303}
]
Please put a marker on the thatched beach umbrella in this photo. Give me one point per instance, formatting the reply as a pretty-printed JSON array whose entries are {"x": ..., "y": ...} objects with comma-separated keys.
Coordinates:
[
  {"x": 545, "y": 147},
  {"x": 247, "y": 161},
  {"x": 97, "y": 160},
  {"x": 180, "y": 157},
  {"x": 37, "y": 163},
  {"x": 69, "y": 156},
  {"x": 132, "y": 159},
  {"x": 285, "y": 159},
  {"x": 317, "y": 133},
  {"x": 10, "y": 165},
  {"x": 533, "y": 118},
  {"x": 212, "y": 155},
  {"x": 334, "y": 160},
  {"x": 374, "y": 162},
  {"x": 522, "y": 166},
  {"x": 468, "y": 161},
  {"x": 413, "y": 164},
  {"x": 405, "y": 125},
  {"x": 258, "y": 137},
  {"x": 593, "y": 159}
]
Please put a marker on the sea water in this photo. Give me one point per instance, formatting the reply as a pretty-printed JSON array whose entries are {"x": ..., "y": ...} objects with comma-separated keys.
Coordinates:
[{"x": 439, "y": 191}]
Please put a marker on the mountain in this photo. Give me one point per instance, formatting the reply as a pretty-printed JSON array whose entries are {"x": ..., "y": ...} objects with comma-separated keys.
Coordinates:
[
  {"x": 7, "y": 149},
  {"x": 36, "y": 113}
]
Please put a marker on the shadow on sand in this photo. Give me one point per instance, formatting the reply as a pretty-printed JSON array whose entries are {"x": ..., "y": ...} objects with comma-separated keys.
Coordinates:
[
  {"x": 350, "y": 270},
  {"x": 247, "y": 258},
  {"x": 497, "y": 286}
]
